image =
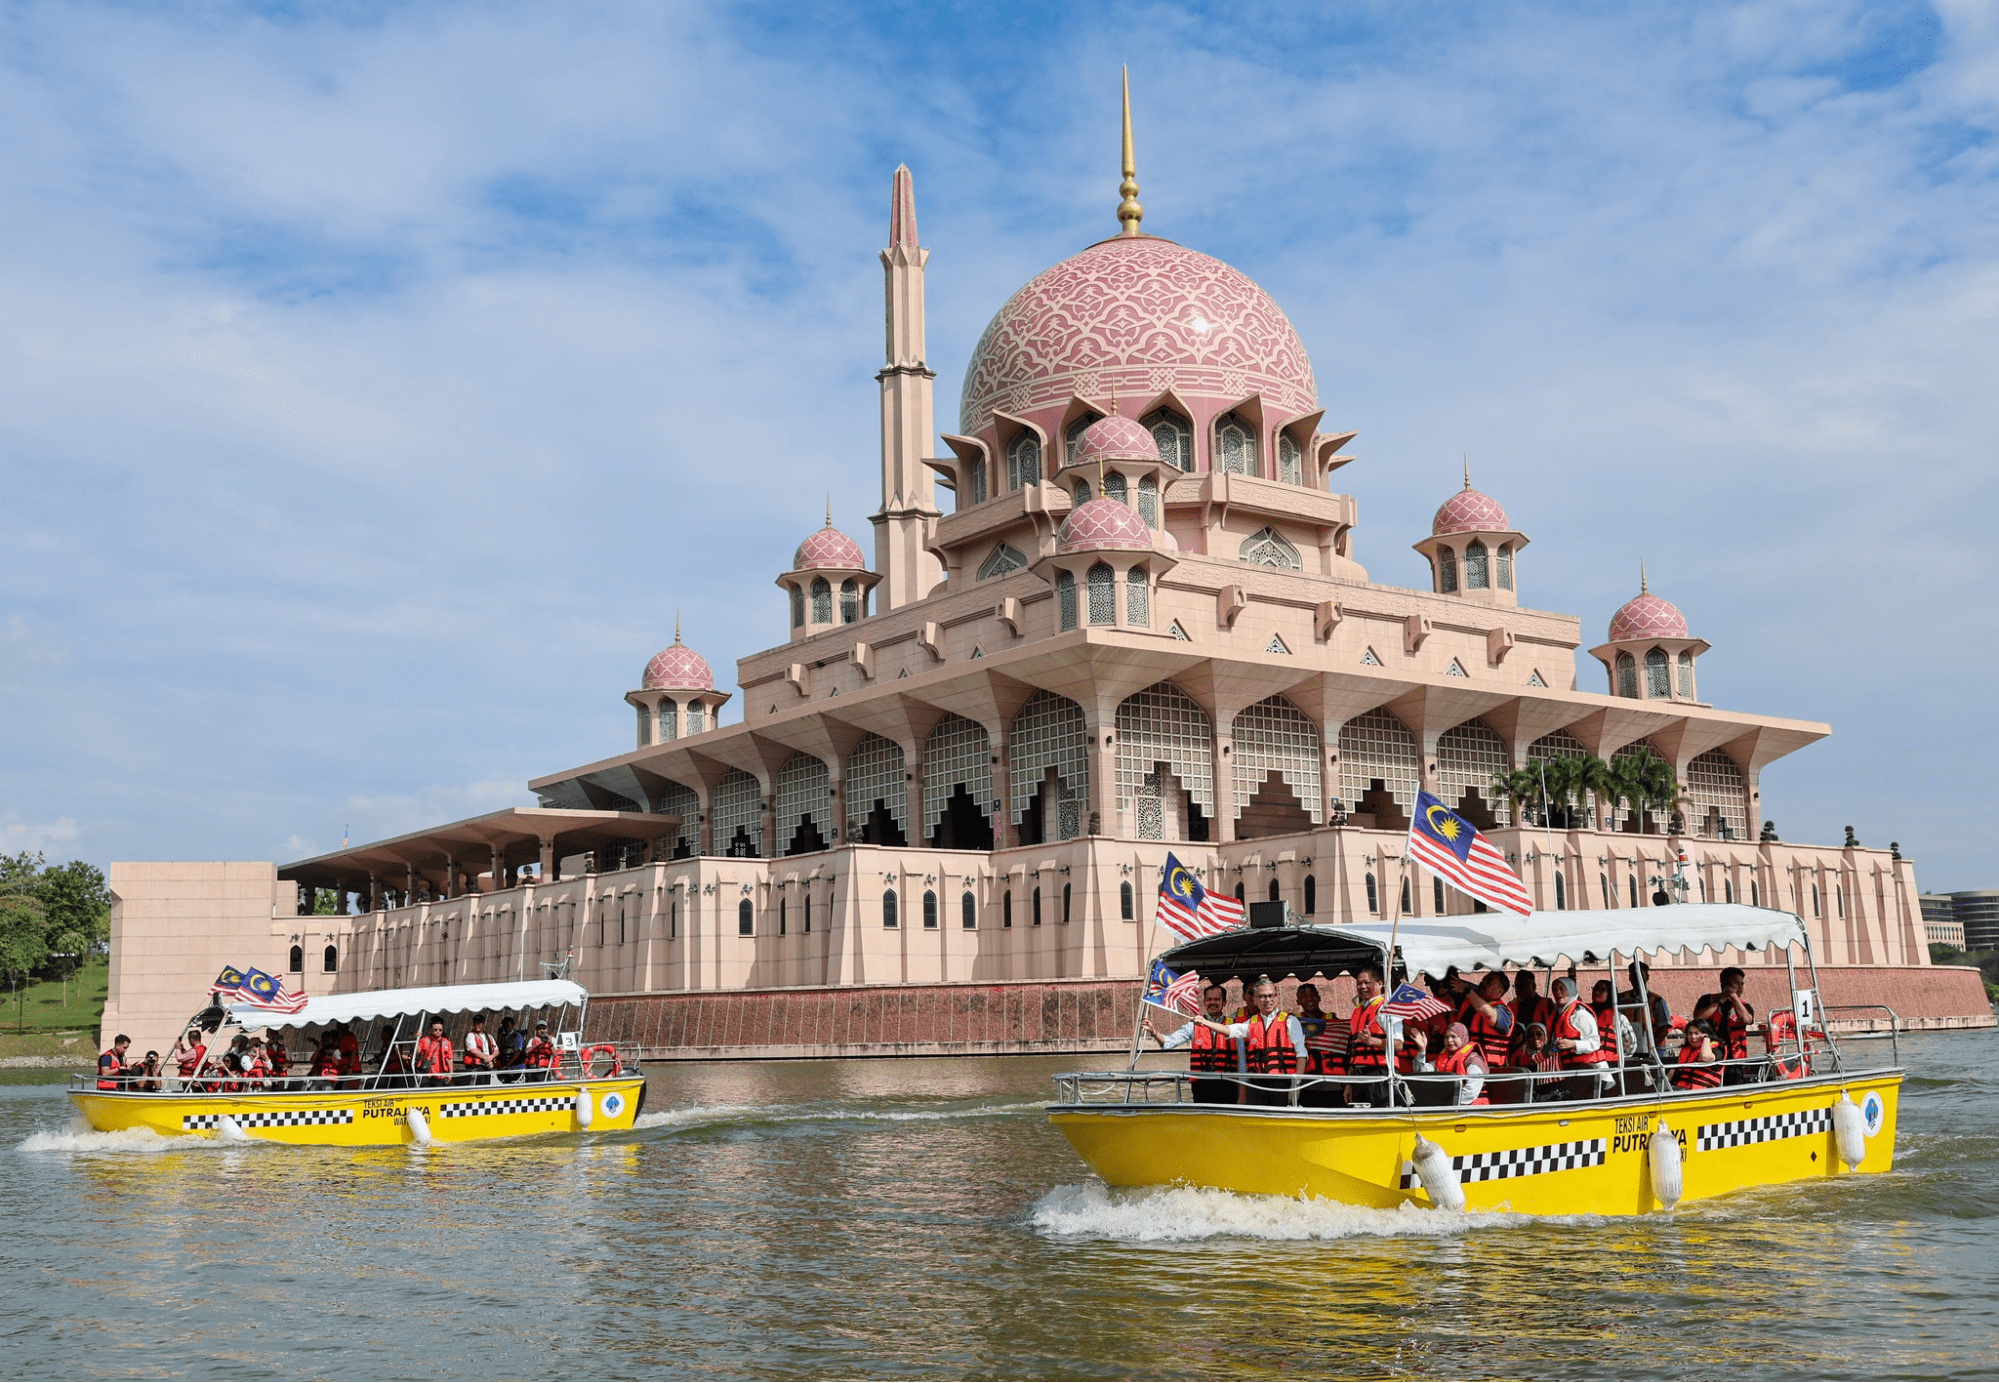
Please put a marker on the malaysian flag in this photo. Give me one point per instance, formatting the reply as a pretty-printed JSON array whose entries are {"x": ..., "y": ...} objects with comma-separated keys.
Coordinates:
[
  {"x": 1451, "y": 848},
  {"x": 1188, "y": 910},
  {"x": 230, "y": 981},
  {"x": 1412, "y": 1004},
  {"x": 259, "y": 990},
  {"x": 1173, "y": 991}
]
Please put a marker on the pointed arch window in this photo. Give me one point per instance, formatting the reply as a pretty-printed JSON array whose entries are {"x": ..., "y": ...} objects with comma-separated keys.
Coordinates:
[
  {"x": 1127, "y": 902},
  {"x": 1658, "y": 680},
  {"x": 296, "y": 965},
  {"x": 1235, "y": 445},
  {"x": 850, "y": 601},
  {"x": 1447, "y": 570},
  {"x": 1072, "y": 437},
  {"x": 1084, "y": 494},
  {"x": 696, "y": 718},
  {"x": 1065, "y": 598},
  {"x": 1627, "y": 675},
  {"x": 797, "y": 607},
  {"x": 645, "y": 726},
  {"x": 929, "y": 910},
  {"x": 1103, "y": 594},
  {"x": 1476, "y": 571},
  {"x": 1114, "y": 488},
  {"x": 1506, "y": 566},
  {"x": 1173, "y": 437},
  {"x": 746, "y": 919},
  {"x": 890, "y": 921},
  {"x": 330, "y": 961},
  {"x": 978, "y": 470},
  {"x": 822, "y": 600},
  {"x": 1023, "y": 460},
  {"x": 1148, "y": 500},
  {"x": 1311, "y": 895},
  {"x": 968, "y": 912},
  {"x": 1290, "y": 460},
  {"x": 668, "y": 720},
  {"x": 1267, "y": 548},
  {"x": 1687, "y": 673},
  {"x": 1002, "y": 560},
  {"x": 1136, "y": 611},
  {"x": 1373, "y": 896}
]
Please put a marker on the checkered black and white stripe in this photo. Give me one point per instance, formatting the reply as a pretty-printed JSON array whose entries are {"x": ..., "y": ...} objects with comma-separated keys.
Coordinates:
[
  {"x": 270, "y": 1118},
  {"x": 1738, "y": 1133},
  {"x": 537, "y": 1104},
  {"x": 1520, "y": 1162}
]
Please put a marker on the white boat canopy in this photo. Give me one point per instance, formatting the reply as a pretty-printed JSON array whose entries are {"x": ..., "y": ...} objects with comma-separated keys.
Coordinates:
[
  {"x": 394, "y": 1003},
  {"x": 1488, "y": 940}
]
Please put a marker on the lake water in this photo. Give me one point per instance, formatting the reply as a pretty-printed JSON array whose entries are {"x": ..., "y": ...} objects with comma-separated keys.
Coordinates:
[{"x": 921, "y": 1218}]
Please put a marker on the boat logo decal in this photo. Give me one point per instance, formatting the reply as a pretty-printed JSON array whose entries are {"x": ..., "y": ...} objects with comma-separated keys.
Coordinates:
[
  {"x": 613, "y": 1105},
  {"x": 1738, "y": 1133},
  {"x": 270, "y": 1118},
  {"x": 1872, "y": 1110},
  {"x": 538, "y": 1104},
  {"x": 1520, "y": 1162}
]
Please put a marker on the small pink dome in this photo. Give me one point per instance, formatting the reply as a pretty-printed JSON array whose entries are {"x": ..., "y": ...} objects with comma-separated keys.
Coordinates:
[
  {"x": 1468, "y": 511},
  {"x": 831, "y": 548},
  {"x": 678, "y": 668},
  {"x": 1115, "y": 439},
  {"x": 1647, "y": 616},
  {"x": 1103, "y": 523}
]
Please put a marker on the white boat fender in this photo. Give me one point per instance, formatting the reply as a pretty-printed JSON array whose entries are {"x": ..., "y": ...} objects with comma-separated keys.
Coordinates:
[
  {"x": 1663, "y": 1153},
  {"x": 1439, "y": 1178},
  {"x": 585, "y": 1109},
  {"x": 229, "y": 1131},
  {"x": 419, "y": 1126},
  {"x": 1850, "y": 1125}
]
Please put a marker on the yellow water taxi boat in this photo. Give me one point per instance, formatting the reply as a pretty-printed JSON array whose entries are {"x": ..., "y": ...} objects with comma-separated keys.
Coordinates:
[
  {"x": 575, "y": 1087},
  {"x": 1629, "y": 1142}
]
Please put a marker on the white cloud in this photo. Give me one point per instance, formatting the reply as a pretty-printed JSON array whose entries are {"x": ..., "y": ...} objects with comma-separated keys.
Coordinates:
[{"x": 58, "y": 837}]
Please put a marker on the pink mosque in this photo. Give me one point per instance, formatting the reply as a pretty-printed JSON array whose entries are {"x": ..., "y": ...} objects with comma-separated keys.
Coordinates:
[{"x": 1122, "y": 614}]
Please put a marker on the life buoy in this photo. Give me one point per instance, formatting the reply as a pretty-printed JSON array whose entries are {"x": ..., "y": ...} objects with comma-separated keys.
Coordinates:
[{"x": 589, "y": 1056}]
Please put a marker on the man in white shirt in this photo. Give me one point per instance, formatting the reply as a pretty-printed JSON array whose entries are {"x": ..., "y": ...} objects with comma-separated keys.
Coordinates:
[
  {"x": 1212, "y": 1055},
  {"x": 480, "y": 1051},
  {"x": 1577, "y": 1041},
  {"x": 1273, "y": 1044}
]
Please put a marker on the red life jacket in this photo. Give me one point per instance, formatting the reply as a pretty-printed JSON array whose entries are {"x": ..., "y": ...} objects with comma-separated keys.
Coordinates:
[
  {"x": 1492, "y": 1044},
  {"x": 1211, "y": 1051},
  {"x": 277, "y": 1058},
  {"x": 1541, "y": 1010},
  {"x": 541, "y": 1053},
  {"x": 1693, "y": 1073},
  {"x": 1606, "y": 1029},
  {"x": 433, "y": 1056},
  {"x": 1366, "y": 1020},
  {"x": 1454, "y": 1064},
  {"x": 1731, "y": 1032},
  {"x": 1270, "y": 1049},
  {"x": 191, "y": 1063},
  {"x": 1565, "y": 1027},
  {"x": 108, "y": 1074}
]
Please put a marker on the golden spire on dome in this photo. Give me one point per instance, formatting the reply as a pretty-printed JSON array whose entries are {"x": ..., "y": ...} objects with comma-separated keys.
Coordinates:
[
  {"x": 1467, "y": 470},
  {"x": 676, "y": 628},
  {"x": 1644, "y": 586},
  {"x": 829, "y": 508},
  {"x": 1129, "y": 212}
]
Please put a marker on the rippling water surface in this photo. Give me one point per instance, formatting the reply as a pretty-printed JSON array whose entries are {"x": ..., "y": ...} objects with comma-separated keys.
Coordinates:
[{"x": 921, "y": 1218}]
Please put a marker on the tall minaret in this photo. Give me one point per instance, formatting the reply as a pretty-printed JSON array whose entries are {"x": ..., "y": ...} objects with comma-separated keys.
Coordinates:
[{"x": 908, "y": 499}]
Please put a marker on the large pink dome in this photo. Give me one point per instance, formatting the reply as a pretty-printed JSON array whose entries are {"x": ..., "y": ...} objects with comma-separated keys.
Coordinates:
[
  {"x": 1115, "y": 439},
  {"x": 1102, "y": 523},
  {"x": 1135, "y": 316},
  {"x": 1468, "y": 511},
  {"x": 829, "y": 547},
  {"x": 1647, "y": 616},
  {"x": 678, "y": 668}
]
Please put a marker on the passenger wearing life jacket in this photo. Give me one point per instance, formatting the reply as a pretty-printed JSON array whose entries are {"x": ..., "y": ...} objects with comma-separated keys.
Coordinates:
[
  {"x": 326, "y": 1063},
  {"x": 111, "y": 1064},
  {"x": 1530, "y": 1006},
  {"x": 1367, "y": 1040},
  {"x": 1732, "y": 1018},
  {"x": 1325, "y": 1049},
  {"x": 540, "y": 1058},
  {"x": 1210, "y": 1056},
  {"x": 480, "y": 1052},
  {"x": 349, "y": 1047},
  {"x": 1462, "y": 1058},
  {"x": 188, "y": 1055},
  {"x": 1273, "y": 1046},
  {"x": 1698, "y": 1068},
  {"x": 434, "y": 1055},
  {"x": 1489, "y": 1022},
  {"x": 277, "y": 1059},
  {"x": 1576, "y": 1041},
  {"x": 256, "y": 1065}
]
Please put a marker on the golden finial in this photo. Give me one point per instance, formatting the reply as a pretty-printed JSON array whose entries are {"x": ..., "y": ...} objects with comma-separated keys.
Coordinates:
[
  {"x": 1467, "y": 470},
  {"x": 829, "y": 508},
  {"x": 676, "y": 626},
  {"x": 1644, "y": 586},
  {"x": 1129, "y": 212}
]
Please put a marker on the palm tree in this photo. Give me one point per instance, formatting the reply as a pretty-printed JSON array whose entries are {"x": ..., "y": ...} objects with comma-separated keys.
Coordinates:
[
  {"x": 1521, "y": 786},
  {"x": 1648, "y": 782}
]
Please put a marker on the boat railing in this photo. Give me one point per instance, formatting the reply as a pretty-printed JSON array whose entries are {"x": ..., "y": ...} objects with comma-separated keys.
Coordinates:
[{"x": 570, "y": 1066}]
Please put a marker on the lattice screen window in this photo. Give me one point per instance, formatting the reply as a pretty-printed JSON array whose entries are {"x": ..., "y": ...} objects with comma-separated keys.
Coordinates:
[
  {"x": 668, "y": 721},
  {"x": 1560, "y": 745},
  {"x": 1470, "y": 756},
  {"x": 1373, "y": 746},
  {"x": 957, "y": 753},
  {"x": 645, "y": 726},
  {"x": 978, "y": 469},
  {"x": 1447, "y": 570},
  {"x": 822, "y": 601},
  {"x": 1164, "y": 725},
  {"x": 1114, "y": 488},
  {"x": 1235, "y": 445},
  {"x": 797, "y": 607},
  {"x": 1065, "y": 597},
  {"x": 850, "y": 601},
  {"x": 1083, "y": 493},
  {"x": 1003, "y": 560},
  {"x": 1137, "y": 608},
  {"x": 875, "y": 772},
  {"x": 1072, "y": 437},
  {"x": 677, "y": 799},
  {"x": 1719, "y": 796},
  {"x": 1276, "y": 735},
  {"x": 1103, "y": 594},
  {"x": 738, "y": 806},
  {"x": 1658, "y": 681},
  {"x": 1627, "y": 676},
  {"x": 696, "y": 718},
  {"x": 1177, "y": 632},
  {"x": 1148, "y": 500},
  {"x": 1048, "y": 733},
  {"x": 1173, "y": 437},
  {"x": 1266, "y": 548},
  {"x": 1290, "y": 461},
  {"x": 1506, "y": 566},
  {"x": 803, "y": 791},
  {"x": 1687, "y": 673},
  {"x": 1023, "y": 460},
  {"x": 1475, "y": 566}
]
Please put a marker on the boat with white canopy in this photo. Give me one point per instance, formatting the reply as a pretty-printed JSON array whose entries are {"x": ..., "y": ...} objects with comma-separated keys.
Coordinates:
[
  {"x": 1629, "y": 1134},
  {"x": 385, "y": 1087}
]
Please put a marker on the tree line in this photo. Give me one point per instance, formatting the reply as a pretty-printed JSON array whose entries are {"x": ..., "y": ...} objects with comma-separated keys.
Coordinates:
[
  {"x": 53, "y": 917},
  {"x": 1557, "y": 789}
]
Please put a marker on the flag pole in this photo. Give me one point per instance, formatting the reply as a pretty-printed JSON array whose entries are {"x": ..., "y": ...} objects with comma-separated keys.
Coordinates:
[{"x": 1145, "y": 979}]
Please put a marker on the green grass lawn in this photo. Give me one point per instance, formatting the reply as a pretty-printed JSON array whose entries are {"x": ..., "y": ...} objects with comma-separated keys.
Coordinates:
[{"x": 52, "y": 1006}]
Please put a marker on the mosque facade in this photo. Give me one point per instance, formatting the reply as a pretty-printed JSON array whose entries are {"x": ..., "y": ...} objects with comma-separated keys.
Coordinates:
[{"x": 1120, "y": 613}]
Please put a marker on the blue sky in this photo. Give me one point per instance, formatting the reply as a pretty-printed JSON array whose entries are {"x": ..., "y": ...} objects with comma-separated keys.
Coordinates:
[{"x": 377, "y": 381}]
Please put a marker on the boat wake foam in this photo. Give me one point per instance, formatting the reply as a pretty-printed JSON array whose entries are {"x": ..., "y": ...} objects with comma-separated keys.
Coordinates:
[
  {"x": 1183, "y": 1214},
  {"x": 81, "y": 1137}
]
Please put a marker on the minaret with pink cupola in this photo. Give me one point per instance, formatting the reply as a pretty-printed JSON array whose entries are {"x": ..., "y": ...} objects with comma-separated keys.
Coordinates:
[
  {"x": 1650, "y": 654},
  {"x": 829, "y": 582},
  {"x": 1473, "y": 549},
  {"x": 677, "y": 697}
]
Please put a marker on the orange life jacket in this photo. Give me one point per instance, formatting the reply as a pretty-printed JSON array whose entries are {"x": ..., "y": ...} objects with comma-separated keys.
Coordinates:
[
  {"x": 1366, "y": 1021},
  {"x": 190, "y": 1064},
  {"x": 277, "y": 1058},
  {"x": 1565, "y": 1027},
  {"x": 1454, "y": 1064},
  {"x": 433, "y": 1055},
  {"x": 1540, "y": 1010},
  {"x": 1731, "y": 1032},
  {"x": 1211, "y": 1051},
  {"x": 1693, "y": 1073},
  {"x": 1492, "y": 1044},
  {"x": 1270, "y": 1049},
  {"x": 1606, "y": 1029},
  {"x": 541, "y": 1053},
  {"x": 108, "y": 1075}
]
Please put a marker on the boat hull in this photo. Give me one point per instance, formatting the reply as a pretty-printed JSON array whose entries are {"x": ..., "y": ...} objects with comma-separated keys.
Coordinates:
[
  {"x": 376, "y": 1118},
  {"x": 1548, "y": 1159}
]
